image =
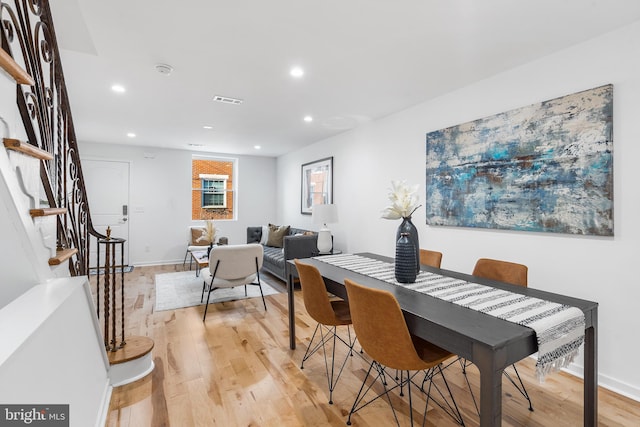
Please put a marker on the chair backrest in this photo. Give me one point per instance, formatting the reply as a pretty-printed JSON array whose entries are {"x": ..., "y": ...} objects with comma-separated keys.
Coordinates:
[
  {"x": 314, "y": 294},
  {"x": 503, "y": 271},
  {"x": 380, "y": 327},
  {"x": 430, "y": 258},
  {"x": 235, "y": 261}
]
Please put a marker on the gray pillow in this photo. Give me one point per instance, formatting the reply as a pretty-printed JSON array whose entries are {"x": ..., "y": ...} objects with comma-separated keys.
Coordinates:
[{"x": 276, "y": 235}]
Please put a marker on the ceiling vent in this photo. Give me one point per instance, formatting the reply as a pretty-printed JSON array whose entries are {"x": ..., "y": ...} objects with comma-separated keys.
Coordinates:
[{"x": 227, "y": 100}]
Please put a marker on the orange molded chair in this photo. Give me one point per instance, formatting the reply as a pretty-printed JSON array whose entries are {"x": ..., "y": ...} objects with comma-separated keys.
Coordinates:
[
  {"x": 507, "y": 272},
  {"x": 384, "y": 336},
  {"x": 430, "y": 258},
  {"x": 502, "y": 271},
  {"x": 329, "y": 315}
]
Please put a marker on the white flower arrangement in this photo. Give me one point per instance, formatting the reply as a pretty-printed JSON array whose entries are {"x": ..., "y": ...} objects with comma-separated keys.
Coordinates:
[
  {"x": 208, "y": 232},
  {"x": 404, "y": 200}
]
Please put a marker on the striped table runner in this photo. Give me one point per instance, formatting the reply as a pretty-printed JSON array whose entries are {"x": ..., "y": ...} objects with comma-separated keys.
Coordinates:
[{"x": 559, "y": 328}]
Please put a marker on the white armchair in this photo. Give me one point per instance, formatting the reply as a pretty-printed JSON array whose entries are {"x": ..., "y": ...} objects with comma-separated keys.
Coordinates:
[
  {"x": 193, "y": 244},
  {"x": 231, "y": 266}
]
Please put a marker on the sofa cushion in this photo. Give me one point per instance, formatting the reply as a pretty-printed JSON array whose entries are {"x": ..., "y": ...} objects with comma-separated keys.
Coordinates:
[
  {"x": 276, "y": 235},
  {"x": 265, "y": 235},
  {"x": 196, "y": 233},
  {"x": 274, "y": 256}
]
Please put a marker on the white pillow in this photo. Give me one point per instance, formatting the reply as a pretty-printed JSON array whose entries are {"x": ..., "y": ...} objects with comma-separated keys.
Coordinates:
[{"x": 265, "y": 235}]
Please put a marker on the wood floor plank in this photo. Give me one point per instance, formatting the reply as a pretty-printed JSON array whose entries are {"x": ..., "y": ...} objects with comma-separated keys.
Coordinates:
[{"x": 236, "y": 369}]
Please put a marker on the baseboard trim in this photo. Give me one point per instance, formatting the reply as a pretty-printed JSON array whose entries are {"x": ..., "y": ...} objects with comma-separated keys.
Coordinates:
[
  {"x": 103, "y": 412},
  {"x": 604, "y": 381}
]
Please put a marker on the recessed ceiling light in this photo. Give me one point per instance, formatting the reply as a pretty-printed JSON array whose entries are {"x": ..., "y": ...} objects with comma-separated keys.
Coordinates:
[
  {"x": 308, "y": 119},
  {"x": 131, "y": 135},
  {"x": 207, "y": 127},
  {"x": 297, "y": 72},
  {"x": 118, "y": 89},
  {"x": 257, "y": 147}
]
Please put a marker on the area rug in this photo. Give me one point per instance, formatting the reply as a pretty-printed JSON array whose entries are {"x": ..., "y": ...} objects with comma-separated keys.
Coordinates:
[{"x": 184, "y": 289}]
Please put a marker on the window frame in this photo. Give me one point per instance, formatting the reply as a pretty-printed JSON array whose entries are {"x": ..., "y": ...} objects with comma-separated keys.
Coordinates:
[
  {"x": 213, "y": 190},
  {"x": 233, "y": 201}
]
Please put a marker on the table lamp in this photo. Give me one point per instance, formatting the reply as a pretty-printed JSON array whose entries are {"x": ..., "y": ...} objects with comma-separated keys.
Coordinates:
[{"x": 323, "y": 214}]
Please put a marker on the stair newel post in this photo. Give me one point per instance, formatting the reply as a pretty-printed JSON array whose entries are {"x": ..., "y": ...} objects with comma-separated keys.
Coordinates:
[
  {"x": 114, "y": 294},
  {"x": 107, "y": 294},
  {"x": 123, "y": 342},
  {"x": 110, "y": 289},
  {"x": 98, "y": 281}
]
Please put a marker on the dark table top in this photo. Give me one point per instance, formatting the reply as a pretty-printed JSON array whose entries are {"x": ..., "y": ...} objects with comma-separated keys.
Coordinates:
[{"x": 461, "y": 330}]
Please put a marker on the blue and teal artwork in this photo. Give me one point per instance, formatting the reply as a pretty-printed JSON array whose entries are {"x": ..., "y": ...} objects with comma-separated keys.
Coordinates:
[{"x": 547, "y": 167}]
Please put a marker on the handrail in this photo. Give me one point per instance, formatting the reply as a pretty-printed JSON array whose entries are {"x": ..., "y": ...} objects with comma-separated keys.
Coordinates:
[{"x": 28, "y": 33}]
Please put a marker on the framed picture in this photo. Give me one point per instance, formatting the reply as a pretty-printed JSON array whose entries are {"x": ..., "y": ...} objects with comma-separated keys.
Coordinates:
[{"x": 317, "y": 184}]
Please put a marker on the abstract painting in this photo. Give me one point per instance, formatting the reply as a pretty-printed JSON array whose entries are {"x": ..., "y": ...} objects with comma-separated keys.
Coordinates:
[{"x": 547, "y": 167}]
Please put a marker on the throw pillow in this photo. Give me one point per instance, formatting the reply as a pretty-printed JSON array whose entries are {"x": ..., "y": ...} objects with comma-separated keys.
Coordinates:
[
  {"x": 276, "y": 235},
  {"x": 196, "y": 233},
  {"x": 265, "y": 235}
]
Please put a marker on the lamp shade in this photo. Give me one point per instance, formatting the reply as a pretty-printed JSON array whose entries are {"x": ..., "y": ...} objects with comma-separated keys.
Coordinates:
[{"x": 323, "y": 214}]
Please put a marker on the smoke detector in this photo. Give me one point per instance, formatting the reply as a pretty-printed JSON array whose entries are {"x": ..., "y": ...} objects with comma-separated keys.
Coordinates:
[{"x": 164, "y": 69}]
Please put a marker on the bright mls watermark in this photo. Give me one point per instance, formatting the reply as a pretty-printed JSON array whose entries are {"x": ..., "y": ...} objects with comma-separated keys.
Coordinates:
[{"x": 34, "y": 415}]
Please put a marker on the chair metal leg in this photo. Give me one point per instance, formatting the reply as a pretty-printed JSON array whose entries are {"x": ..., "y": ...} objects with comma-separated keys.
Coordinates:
[
  {"x": 331, "y": 334},
  {"x": 521, "y": 388},
  {"x": 464, "y": 363},
  {"x": 360, "y": 395},
  {"x": 451, "y": 406},
  {"x": 185, "y": 257},
  {"x": 211, "y": 288},
  {"x": 259, "y": 285},
  {"x": 406, "y": 378}
]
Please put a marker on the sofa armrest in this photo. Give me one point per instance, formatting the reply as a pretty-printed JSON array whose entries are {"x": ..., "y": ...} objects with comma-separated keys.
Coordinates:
[
  {"x": 300, "y": 246},
  {"x": 254, "y": 234}
]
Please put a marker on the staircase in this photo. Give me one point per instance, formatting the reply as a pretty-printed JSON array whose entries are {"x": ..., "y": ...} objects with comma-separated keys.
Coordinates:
[{"x": 52, "y": 349}]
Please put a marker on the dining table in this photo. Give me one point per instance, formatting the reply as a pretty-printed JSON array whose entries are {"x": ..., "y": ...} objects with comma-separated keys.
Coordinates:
[{"x": 488, "y": 342}]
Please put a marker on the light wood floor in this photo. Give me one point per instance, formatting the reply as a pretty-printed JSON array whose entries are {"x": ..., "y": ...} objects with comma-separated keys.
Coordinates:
[{"x": 237, "y": 370}]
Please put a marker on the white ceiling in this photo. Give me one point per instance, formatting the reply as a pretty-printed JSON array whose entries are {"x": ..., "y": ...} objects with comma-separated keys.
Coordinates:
[{"x": 363, "y": 59}]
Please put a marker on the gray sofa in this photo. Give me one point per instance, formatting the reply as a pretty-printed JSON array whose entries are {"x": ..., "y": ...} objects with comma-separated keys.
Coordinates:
[{"x": 294, "y": 245}]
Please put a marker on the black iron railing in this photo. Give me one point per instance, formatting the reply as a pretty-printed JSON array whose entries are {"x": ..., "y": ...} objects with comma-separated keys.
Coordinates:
[{"x": 28, "y": 36}]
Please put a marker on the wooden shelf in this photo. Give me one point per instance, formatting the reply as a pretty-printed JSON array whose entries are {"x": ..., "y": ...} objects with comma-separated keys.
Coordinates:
[
  {"x": 62, "y": 256},
  {"x": 17, "y": 72},
  {"x": 47, "y": 212},
  {"x": 26, "y": 148}
]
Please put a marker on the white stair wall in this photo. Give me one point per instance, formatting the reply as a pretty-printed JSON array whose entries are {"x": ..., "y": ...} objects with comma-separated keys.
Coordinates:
[
  {"x": 52, "y": 351},
  {"x": 24, "y": 254}
]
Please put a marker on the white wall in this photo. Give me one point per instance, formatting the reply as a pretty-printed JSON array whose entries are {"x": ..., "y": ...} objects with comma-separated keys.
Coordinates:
[
  {"x": 161, "y": 187},
  {"x": 600, "y": 269},
  {"x": 53, "y": 352}
]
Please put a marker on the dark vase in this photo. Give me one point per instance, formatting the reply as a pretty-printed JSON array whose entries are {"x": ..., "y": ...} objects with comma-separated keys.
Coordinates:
[
  {"x": 405, "y": 266},
  {"x": 209, "y": 249},
  {"x": 408, "y": 227}
]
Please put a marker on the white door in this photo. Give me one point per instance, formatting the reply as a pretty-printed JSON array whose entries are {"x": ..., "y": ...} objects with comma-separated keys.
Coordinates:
[{"x": 107, "y": 184}]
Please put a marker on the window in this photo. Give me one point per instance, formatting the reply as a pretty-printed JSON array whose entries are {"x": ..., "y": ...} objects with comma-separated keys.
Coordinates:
[
  {"x": 212, "y": 188},
  {"x": 214, "y": 191}
]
